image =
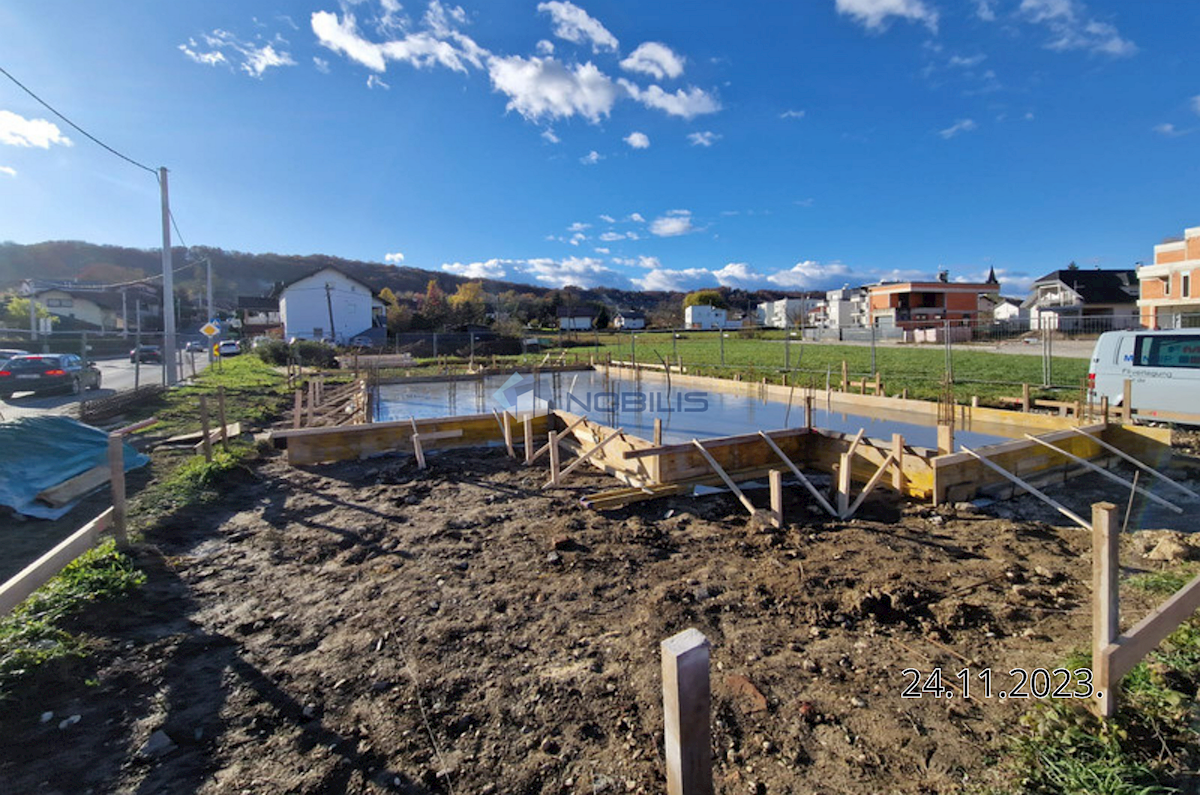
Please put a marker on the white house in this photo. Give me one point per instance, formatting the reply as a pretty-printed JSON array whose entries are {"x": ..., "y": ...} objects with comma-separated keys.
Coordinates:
[
  {"x": 784, "y": 313},
  {"x": 576, "y": 318},
  {"x": 847, "y": 308},
  {"x": 328, "y": 304},
  {"x": 1092, "y": 300},
  {"x": 630, "y": 320},
  {"x": 703, "y": 316},
  {"x": 1008, "y": 310}
]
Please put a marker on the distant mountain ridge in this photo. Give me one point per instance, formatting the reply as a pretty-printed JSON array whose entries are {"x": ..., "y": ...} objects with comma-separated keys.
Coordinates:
[{"x": 238, "y": 273}]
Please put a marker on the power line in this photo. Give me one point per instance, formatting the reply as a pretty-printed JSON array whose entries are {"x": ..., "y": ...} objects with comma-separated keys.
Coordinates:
[{"x": 81, "y": 131}]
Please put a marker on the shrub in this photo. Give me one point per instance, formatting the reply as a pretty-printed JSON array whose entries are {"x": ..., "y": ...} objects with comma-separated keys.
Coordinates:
[{"x": 310, "y": 353}]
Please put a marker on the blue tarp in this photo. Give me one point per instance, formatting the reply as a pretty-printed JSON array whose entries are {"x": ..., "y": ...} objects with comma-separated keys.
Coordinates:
[{"x": 39, "y": 452}]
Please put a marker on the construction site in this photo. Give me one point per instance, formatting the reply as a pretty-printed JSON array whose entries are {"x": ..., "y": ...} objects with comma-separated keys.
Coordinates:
[{"x": 464, "y": 584}]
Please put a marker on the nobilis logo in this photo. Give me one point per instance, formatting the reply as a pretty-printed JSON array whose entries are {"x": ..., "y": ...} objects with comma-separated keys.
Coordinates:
[{"x": 509, "y": 393}]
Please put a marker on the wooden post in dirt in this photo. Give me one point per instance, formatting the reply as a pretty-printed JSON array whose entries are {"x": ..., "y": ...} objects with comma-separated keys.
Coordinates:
[
  {"x": 298, "y": 410},
  {"x": 808, "y": 412},
  {"x": 221, "y": 417},
  {"x": 508, "y": 444},
  {"x": 776, "y": 480},
  {"x": 1104, "y": 409},
  {"x": 204, "y": 428},
  {"x": 898, "y": 479},
  {"x": 843, "y": 483},
  {"x": 845, "y": 376},
  {"x": 312, "y": 400},
  {"x": 658, "y": 431},
  {"x": 1106, "y": 569},
  {"x": 528, "y": 427},
  {"x": 945, "y": 439},
  {"x": 553, "y": 458},
  {"x": 1025, "y": 397},
  {"x": 1126, "y": 401},
  {"x": 687, "y": 707},
  {"x": 116, "y": 463}
]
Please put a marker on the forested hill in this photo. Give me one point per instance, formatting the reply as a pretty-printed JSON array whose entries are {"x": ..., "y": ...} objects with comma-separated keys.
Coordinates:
[{"x": 238, "y": 273}]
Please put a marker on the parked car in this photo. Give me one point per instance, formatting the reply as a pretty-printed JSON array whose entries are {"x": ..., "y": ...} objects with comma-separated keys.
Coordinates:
[
  {"x": 1163, "y": 368},
  {"x": 194, "y": 347},
  {"x": 362, "y": 341},
  {"x": 146, "y": 353},
  {"x": 39, "y": 374},
  {"x": 228, "y": 348},
  {"x": 8, "y": 353}
]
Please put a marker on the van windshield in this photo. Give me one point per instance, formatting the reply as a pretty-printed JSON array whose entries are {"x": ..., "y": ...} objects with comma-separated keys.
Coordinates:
[{"x": 1168, "y": 351}]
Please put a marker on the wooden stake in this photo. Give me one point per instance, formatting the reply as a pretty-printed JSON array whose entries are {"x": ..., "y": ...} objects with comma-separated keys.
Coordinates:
[
  {"x": 1025, "y": 397},
  {"x": 204, "y": 428},
  {"x": 528, "y": 423},
  {"x": 775, "y": 478},
  {"x": 418, "y": 450},
  {"x": 1056, "y": 505},
  {"x": 1104, "y": 409},
  {"x": 508, "y": 443},
  {"x": 1126, "y": 402},
  {"x": 1106, "y": 616},
  {"x": 898, "y": 479},
  {"x": 298, "y": 410},
  {"x": 712, "y": 462},
  {"x": 312, "y": 401},
  {"x": 871, "y": 484},
  {"x": 820, "y": 498},
  {"x": 553, "y": 458},
  {"x": 687, "y": 707},
  {"x": 116, "y": 465},
  {"x": 845, "y": 376},
  {"x": 221, "y": 417},
  {"x": 808, "y": 412},
  {"x": 587, "y": 455},
  {"x": 658, "y": 431}
]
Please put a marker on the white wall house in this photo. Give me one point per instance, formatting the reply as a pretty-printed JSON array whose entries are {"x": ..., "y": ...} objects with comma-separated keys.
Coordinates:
[
  {"x": 630, "y": 320},
  {"x": 576, "y": 318},
  {"x": 784, "y": 313},
  {"x": 847, "y": 308},
  {"x": 704, "y": 316},
  {"x": 327, "y": 304},
  {"x": 1008, "y": 310}
]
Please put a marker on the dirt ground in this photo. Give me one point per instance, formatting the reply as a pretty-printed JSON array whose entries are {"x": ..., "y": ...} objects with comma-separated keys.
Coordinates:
[{"x": 368, "y": 627}]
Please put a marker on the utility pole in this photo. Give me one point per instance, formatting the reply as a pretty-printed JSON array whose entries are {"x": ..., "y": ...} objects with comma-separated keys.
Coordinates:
[
  {"x": 210, "y": 303},
  {"x": 333, "y": 331},
  {"x": 168, "y": 300},
  {"x": 124, "y": 313},
  {"x": 32, "y": 317}
]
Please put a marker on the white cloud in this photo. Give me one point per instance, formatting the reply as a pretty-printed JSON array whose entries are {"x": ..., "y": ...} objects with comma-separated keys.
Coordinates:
[
  {"x": 737, "y": 274},
  {"x": 676, "y": 280},
  {"x": 394, "y": 257},
  {"x": 549, "y": 135},
  {"x": 373, "y": 81},
  {"x": 874, "y": 14},
  {"x": 578, "y": 226},
  {"x": 967, "y": 62},
  {"x": 577, "y": 238},
  {"x": 706, "y": 138},
  {"x": 807, "y": 274},
  {"x": 545, "y": 47},
  {"x": 655, "y": 59},
  {"x": 1072, "y": 29},
  {"x": 573, "y": 24},
  {"x": 545, "y": 87},
  {"x": 984, "y": 10},
  {"x": 792, "y": 114},
  {"x": 960, "y": 126},
  {"x": 602, "y": 250},
  {"x": 673, "y": 224},
  {"x": 591, "y": 158},
  {"x": 255, "y": 58},
  {"x": 637, "y": 218},
  {"x": 491, "y": 269},
  {"x": 608, "y": 219},
  {"x": 578, "y": 271},
  {"x": 687, "y": 104},
  {"x": 12, "y": 172},
  {"x": 1196, "y": 104},
  {"x": 16, "y": 130},
  {"x": 440, "y": 45},
  {"x": 637, "y": 140},
  {"x": 612, "y": 237},
  {"x": 1170, "y": 130},
  {"x": 321, "y": 64}
]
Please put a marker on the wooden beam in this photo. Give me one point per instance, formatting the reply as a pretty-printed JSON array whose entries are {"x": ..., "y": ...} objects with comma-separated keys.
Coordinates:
[
  {"x": 561, "y": 437},
  {"x": 687, "y": 708},
  {"x": 719, "y": 441},
  {"x": 528, "y": 431},
  {"x": 298, "y": 410},
  {"x": 1106, "y": 618},
  {"x": 776, "y": 481},
  {"x": 1154, "y": 628},
  {"x": 824, "y": 503},
  {"x": 871, "y": 484},
  {"x": 585, "y": 456},
  {"x": 1126, "y": 402},
  {"x": 36, "y": 574},
  {"x": 898, "y": 478},
  {"x": 1056, "y": 505},
  {"x": 553, "y": 445},
  {"x": 1110, "y": 475},
  {"x": 712, "y": 462},
  {"x": 74, "y": 488},
  {"x": 1145, "y": 468}
]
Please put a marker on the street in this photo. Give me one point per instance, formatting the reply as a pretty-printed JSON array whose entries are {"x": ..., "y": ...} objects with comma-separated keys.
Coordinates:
[{"x": 116, "y": 375}]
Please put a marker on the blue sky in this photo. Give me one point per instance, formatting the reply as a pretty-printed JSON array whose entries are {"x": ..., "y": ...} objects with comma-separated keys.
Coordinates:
[{"x": 793, "y": 145}]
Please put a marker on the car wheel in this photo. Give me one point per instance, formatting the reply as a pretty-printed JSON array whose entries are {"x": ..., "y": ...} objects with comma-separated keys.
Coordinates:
[
  {"x": 96, "y": 385},
  {"x": 76, "y": 386}
]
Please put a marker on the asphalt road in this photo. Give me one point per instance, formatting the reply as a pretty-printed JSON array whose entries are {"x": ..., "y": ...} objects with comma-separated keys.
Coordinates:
[{"x": 116, "y": 375}]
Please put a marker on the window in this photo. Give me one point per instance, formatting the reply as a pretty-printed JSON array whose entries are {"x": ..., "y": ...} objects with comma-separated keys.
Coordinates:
[
  {"x": 1186, "y": 285},
  {"x": 1166, "y": 285},
  {"x": 1174, "y": 350}
]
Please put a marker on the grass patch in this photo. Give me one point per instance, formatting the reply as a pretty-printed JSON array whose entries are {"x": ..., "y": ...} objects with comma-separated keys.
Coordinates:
[
  {"x": 1152, "y": 743},
  {"x": 32, "y": 635}
]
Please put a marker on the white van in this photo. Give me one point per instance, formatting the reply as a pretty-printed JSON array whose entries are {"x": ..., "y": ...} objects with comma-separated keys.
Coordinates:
[{"x": 1163, "y": 368}]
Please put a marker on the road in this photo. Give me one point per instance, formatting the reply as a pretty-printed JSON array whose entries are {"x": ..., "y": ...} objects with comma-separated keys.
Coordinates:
[{"x": 116, "y": 375}]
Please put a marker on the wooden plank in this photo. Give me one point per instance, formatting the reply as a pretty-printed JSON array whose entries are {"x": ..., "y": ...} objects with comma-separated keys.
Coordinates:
[
  {"x": 528, "y": 428},
  {"x": 1148, "y": 469},
  {"x": 74, "y": 488},
  {"x": 1154, "y": 628},
  {"x": 137, "y": 426},
  {"x": 585, "y": 456},
  {"x": 548, "y": 445},
  {"x": 725, "y": 477},
  {"x": 775, "y": 479},
  {"x": 824, "y": 503},
  {"x": 1106, "y": 619},
  {"x": 1056, "y": 505},
  {"x": 687, "y": 707},
  {"x": 553, "y": 445},
  {"x": 18, "y": 588},
  {"x": 1110, "y": 475},
  {"x": 845, "y": 473},
  {"x": 298, "y": 410},
  {"x": 710, "y": 444},
  {"x": 317, "y": 445},
  {"x": 215, "y": 434},
  {"x": 871, "y": 484}
]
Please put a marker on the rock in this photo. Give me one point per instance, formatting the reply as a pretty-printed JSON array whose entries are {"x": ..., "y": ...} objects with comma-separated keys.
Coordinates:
[
  {"x": 550, "y": 746},
  {"x": 47, "y": 717},
  {"x": 749, "y": 697},
  {"x": 159, "y": 744},
  {"x": 936, "y": 519},
  {"x": 560, "y": 541},
  {"x": 1169, "y": 549},
  {"x": 811, "y": 666},
  {"x": 554, "y": 558},
  {"x": 67, "y": 723},
  {"x": 855, "y": 701},
  {"x": 1043, "y": 572},
  {"x": 964, "y": 507}
]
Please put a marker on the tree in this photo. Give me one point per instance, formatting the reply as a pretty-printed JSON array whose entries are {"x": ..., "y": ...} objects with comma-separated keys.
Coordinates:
[
  {"x": 711, "y": 298},
  {"x": 16, "y": 314},
  {"x": 1072, "y": 266},
  {"x": 388, "y": 297},
  {"x": 602, "y": 317}
]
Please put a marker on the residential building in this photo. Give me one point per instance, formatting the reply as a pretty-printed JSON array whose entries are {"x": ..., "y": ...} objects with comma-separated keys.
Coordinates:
[
  {"x": 629, "y": 321},
  {"x": 576, "y": 318},
  {"x": 847, "y": 308},
  {"x": 1081, "y": 300},
  {"x": 259, "y": 314},
  {"x": 911, "y": 305},
  {"x": 703, "y": 316},
  {"x": 1169, "y": 292},
  {"x": 784, "y": 313},
  {"x": 1008, "y": 310},
  {"x": 328, "y": 304},
  {"x": 84, "y": 305}
]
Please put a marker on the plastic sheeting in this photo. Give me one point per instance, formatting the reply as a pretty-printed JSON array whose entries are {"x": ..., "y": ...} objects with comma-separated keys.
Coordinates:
[{"x": 39, "y": 452}]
